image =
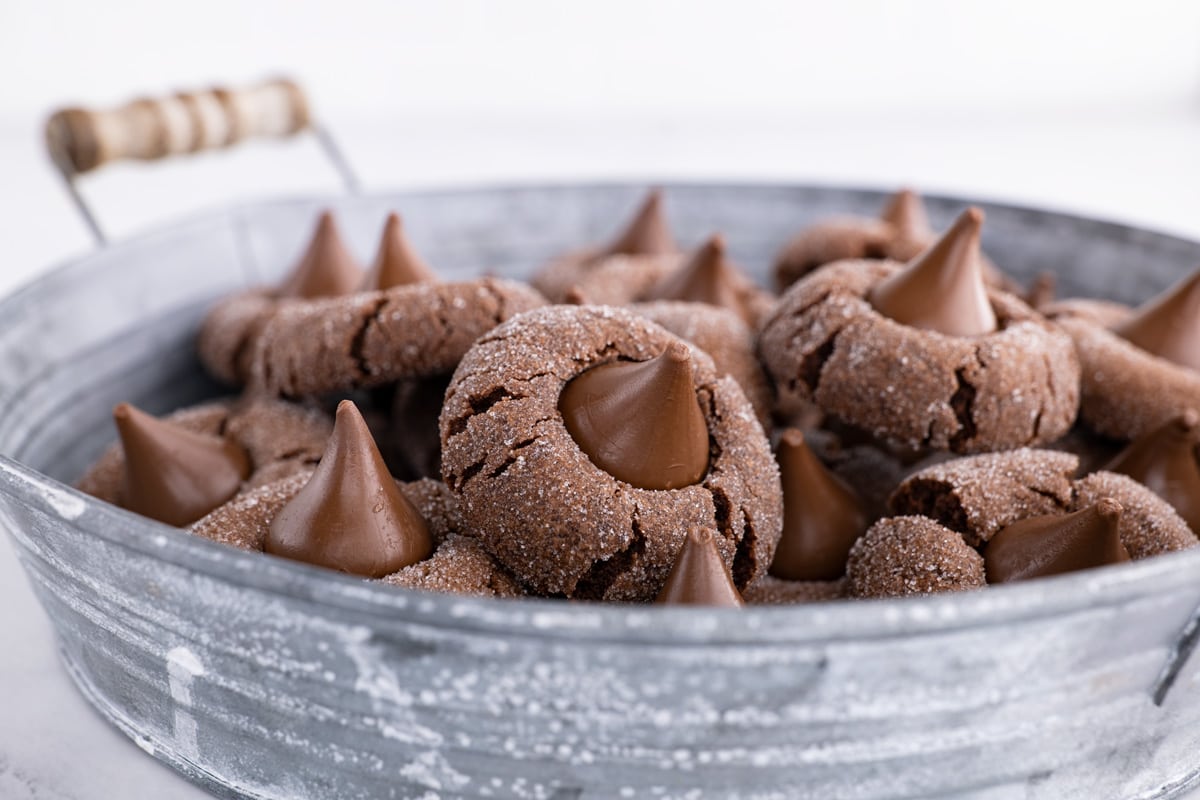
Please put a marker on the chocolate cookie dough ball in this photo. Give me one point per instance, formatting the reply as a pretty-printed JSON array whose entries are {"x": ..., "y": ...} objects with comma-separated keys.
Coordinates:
[
  {"x": 626, "y": 269},
  {"x": 923, "y": 357},
  {"x": 585, "y": 441},
  {"x": 724, "y": 336},
  {"x": 331, "y": 328},
  {"x": 912, "y": 555},
  {"x": 1140, "y": 368},
  {"x": 178, "y": 468}
]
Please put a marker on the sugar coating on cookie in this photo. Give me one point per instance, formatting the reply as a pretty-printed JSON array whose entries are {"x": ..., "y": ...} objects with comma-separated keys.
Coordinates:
[
  {"x": 279, "y": 438},
  {"x": 458, "y": 564},
  {"x": 912, "y": 555},
  {"x": 919, "y": 389},
  {"x": 771, "y": 591},
  {"x": 979, "y": 495},
  {"x": 561, "y": 524},
  {"x": 724, "y": 336}
]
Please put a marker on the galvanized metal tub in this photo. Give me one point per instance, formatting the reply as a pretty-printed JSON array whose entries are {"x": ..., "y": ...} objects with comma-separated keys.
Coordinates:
[{"x": 266, "y": 679}]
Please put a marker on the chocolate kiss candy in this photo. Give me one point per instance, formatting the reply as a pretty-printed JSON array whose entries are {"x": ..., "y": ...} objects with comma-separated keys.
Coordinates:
[
  {"x": 327, "y": 269},
  {"x": 351, "y": 516},
  {"x": 1168, "y": 326},
  {"x": 640, "y": 421},
  {"x": 172, "y": 474},
  {"x": 707, "y": 277},
  {"x": 1053, "y": 544},
  {"x": 906, "y": 213},
  {"x": 647, "y": 234},
  {"x": 822, "y": 517},
  {"x": 699, "y": 577},
  {"x": 396, "y": 263},
  {"x": 942, "y": 289},
  {"x": 1164, "y": 461}
]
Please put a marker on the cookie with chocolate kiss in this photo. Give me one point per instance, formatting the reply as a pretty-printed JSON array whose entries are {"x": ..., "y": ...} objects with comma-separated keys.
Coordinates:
[
  {"x": 979, "y": 495},
  {"x": 555, "y": 436},
  {"x": 899, "y": 233},
  {"x": 1037, "y": 547},
  {"x": 179, "y": 467},
  {"x": 709, "y": 277},
  {"x": 1140, "y": 367},
  {"x": 395, "y": 323},
  {"x": 637, "y": 258},
  {"x": 724, "y": 336},
  {"x": 457, "y": 563},
  {"x": 923, "y": 356}
]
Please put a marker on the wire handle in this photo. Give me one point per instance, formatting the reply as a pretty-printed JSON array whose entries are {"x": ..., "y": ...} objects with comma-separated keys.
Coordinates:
[{"x": 82, "y": 140}]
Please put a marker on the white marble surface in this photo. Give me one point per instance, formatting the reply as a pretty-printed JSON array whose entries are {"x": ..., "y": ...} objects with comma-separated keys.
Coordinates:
[{"x": 1142, "y": 168}]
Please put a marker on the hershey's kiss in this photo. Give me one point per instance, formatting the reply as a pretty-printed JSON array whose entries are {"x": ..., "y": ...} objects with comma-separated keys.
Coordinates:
[
  {"x": 1164, "y": 461},
  {"x": 648, "y": 233},
  {"x": 172, "y": 474},
  {"x": 942, "y": 289},
  {"x": 640, "y": 421},
  {"x": 699, "y": 577},
  {"x": 707, "y": 277},
  {"x": 326, "y": 269},
  {"x": 1056, "y": 543},
  {"x": 351, "y": 516},
  {"x": 906, "y": 213},
  {"x": 396, "y": 262},
  {"x": 1168, "y": 325},
  {"x": 822, "y": 516}
]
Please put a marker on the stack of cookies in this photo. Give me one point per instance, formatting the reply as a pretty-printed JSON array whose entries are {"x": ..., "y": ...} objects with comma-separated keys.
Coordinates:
[{"x": 642, "y": 422}]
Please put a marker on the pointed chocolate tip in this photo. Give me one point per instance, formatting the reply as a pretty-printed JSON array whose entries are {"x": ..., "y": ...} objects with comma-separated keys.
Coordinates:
[
  {"x": 1051, "y": 545},
  {"x": 640, "y": 421},
  {"x": 1164, "y": 461},
  {"x": 647, "y": 233},
  {"x": 326, "y": 269},
  {"x": 351, "y": 516},
  {"x": 822, "y": 516},
  {"x": 699, "y": 576},
  {"x": 173, "y": 474},
  {"x": 942, "y": 289},
  {"x": 575, "y": 297},
  {"x": 1168, "y": 325},
  {"x": 905, "y": 211},
  {"x": 1188, "y": 421},
  {"x": 396, "y": 262},
  {"x": 707, "y": 277}
]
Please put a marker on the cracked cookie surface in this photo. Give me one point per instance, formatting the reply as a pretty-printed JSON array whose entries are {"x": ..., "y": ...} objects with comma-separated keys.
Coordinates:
[
  {"x": 916, "y": 389},
  {"x": 279, "y": 438},
  {"x": 561, "y": 524},
  {"x": 458, "y": 565},
  {"x": 298, "y": 347}
]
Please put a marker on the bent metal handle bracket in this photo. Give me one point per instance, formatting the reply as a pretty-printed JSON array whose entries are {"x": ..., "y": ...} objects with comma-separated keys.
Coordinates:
[{"x": 83, "y": 140}]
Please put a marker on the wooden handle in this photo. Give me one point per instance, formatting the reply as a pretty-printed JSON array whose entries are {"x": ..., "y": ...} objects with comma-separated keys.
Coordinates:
[{"x": 80, "y": 140}]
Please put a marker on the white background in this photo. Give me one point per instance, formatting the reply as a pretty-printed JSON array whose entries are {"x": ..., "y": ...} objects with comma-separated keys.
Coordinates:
[{"x": 1090, "y": 106}]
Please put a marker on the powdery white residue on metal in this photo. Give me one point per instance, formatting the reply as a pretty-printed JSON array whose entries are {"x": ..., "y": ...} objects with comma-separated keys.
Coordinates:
[{"x": 183, "y": 667}]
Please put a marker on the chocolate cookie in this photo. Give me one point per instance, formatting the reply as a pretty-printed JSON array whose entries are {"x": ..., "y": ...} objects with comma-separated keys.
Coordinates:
[
  {"x": 900, "y": 233},
  {"x": 545, "y": 508},
  {"x": 912, "y": 555},
  {"x": 278, "y": 438},
  {"x": 724, "y": 336},
  {"x": 979, "y": 495},
  {"x": 640, "y": 256},
  {"x": 458, "y": 565},
  {"x": 1140, "y": 367},
  {"x": 909, "y": 384}
]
